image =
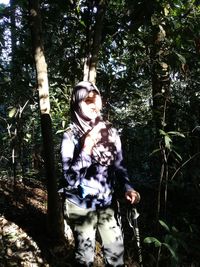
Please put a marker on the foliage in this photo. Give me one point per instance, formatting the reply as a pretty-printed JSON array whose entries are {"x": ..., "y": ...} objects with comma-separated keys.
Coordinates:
[
  {"x": 173, "y": 248},
  {"x": 126, "y": 64}
]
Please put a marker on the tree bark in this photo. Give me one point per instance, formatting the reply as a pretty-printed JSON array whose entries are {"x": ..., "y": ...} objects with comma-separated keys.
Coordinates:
[
  {"x": 94, "y": 41},
  {"x": 14, "y": 66},
  {"x": 53, "y": 206},
  {"x": 161, "y": 101},
  {"x": 160, "y": 78}
]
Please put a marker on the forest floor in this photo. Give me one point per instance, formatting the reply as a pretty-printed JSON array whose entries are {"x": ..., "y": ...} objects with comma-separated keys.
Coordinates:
[{"x": 24, "y": 241}]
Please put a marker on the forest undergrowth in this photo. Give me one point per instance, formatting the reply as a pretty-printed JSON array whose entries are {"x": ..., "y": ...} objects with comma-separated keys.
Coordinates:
[{"x": 24, "y": 241}]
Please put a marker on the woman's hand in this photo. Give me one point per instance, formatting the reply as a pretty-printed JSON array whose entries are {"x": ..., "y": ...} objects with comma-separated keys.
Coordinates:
[
  {"x": 93, "y": 137},
  {"x": 133, "y": 196}
]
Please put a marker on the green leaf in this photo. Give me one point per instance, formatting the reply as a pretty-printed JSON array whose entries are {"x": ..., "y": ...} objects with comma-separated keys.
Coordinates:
[
  {"x": 164, "y": 225},
  {"x": 177, "y": 155},
  {"x": 60, "y": 131},
  {"x": 168, "y": 140},
  {"x": 173, "y": 253},
  {"x": 176, "y": 133},
  {"x": 174, "y": 229},
  {"x": 181, "y": 58},
  {"x": 154, "y": 151},
  {"x": 153, "y": 240},
  {"x": 12, "y": 112},
  {"x": 28, "y": 135},
  {"x": 63, "y": 124},
  {"x": 162, "y": 132},
  {"x": 82, "y": 23}
]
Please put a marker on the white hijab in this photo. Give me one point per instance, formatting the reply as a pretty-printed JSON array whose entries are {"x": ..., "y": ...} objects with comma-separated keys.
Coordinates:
[{"x": 104, "y": 151}]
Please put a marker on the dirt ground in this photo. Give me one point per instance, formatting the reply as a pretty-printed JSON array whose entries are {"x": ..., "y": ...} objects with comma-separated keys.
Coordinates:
[{"x": 24, "y": 241}]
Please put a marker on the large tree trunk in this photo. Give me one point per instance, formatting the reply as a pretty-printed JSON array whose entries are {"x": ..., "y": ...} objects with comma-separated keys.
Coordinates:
[
  {"x": 94, "y": 42},
  {"x": 54, "y": 208}
]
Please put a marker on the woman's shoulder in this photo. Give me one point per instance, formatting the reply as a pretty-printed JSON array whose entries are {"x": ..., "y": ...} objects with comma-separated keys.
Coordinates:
[
  {"x": 71, "y": 133},
  {"x": 112, "y": 130}
]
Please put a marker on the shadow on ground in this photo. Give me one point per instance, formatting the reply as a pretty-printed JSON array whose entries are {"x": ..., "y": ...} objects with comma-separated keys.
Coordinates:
[{"x": 24, "y": 239}]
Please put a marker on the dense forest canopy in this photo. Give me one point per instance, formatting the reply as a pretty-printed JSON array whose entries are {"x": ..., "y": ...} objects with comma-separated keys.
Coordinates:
[{"x": 145, "y": 57}]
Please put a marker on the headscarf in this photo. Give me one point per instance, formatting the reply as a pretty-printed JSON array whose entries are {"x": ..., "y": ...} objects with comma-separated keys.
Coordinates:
[
  {"x": 104, "y": 151},
  {"x": 79, "y": 93}
]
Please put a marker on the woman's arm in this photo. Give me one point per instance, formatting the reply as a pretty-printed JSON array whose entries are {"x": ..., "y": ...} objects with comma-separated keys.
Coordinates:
[
  {"x": 122, "y": 175},
  {"x": 120, "y": 170}
]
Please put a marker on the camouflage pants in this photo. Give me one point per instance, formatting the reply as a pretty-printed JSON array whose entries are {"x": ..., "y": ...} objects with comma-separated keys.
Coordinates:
[{"x": 85, "y": 223}]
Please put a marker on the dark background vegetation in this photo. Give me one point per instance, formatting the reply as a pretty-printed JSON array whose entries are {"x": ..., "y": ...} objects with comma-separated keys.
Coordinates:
[{"x": 149, "y": 75}]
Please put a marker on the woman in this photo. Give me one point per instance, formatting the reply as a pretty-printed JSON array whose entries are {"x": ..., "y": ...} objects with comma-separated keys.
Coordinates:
[{"x": 92, "y": 167}]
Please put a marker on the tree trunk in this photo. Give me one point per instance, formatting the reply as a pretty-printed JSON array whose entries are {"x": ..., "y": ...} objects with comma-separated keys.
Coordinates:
[
  {"x": 161, "y": 101},
  {"x": 14, "y": 84},
  {"x": 53, "y": 205},
  {"x": 160, "y": 78},
  {"x": 94, "y": 43}
]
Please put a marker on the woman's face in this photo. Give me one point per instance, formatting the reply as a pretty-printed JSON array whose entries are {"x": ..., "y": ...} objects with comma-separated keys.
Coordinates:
[{"x": 91, "y": 105}]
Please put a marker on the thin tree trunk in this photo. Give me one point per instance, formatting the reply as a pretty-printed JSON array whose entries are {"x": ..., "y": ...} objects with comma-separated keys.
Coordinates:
[
  {"x": 53, "y": 205},
  {"x": 91, "y": 61},
  {"x": 160, "y": 78},
  {"x": 13, "y": 82},
  {"x": 161, "y": 101}
]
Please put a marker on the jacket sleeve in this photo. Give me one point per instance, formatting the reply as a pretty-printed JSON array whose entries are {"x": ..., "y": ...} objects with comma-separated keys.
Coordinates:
[
  {"x": 121, "y": 174},
  {"x": 74, "y": 168}
]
